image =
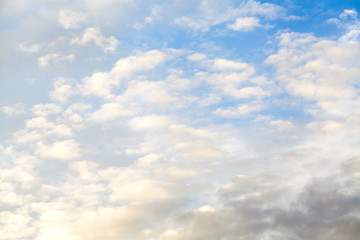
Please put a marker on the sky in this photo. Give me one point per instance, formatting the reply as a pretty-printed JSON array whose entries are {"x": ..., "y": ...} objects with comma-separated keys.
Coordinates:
[{"x": 179, "y": 120}]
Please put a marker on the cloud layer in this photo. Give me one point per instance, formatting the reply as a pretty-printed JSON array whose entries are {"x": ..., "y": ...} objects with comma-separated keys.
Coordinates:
[{"x": 173, "y": 121}]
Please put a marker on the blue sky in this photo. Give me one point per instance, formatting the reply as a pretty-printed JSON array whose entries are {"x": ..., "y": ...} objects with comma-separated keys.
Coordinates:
[{"x": 174, "y": 120}]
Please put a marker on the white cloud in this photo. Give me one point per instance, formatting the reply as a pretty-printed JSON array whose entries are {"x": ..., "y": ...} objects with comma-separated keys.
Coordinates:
[
  {"x": 327, "y": 126},
  {"x": 140, "y": 190},
  {"x": 54, "y": 59},
  {"x": 100, "y": 83},
  {"x": 244, "y": 24},
  {"x": 94, "y": 35},
  {"x": 69, "y": 19},
  {"x": 349, "y": 12},
  {"x": 14, "y": 110},
  {"x": 110, "y": 111},
  {"x": 211, "y": 13},
  {"x": 39, "y": 128},
  {"x": 200, "y": 151},
  {"x": 150, "y": 123},
  {"x": 246, "y": 92},
  {"x": 314, "y": 68},
  {"x": 60, "y": 150},
  {"x": 196, "y": 57},
  {"x": 46, "y": 109},
  {"x": 206, "y": 209},
  {"x": 63, "y": 89},
  {"x": 166, "y": 133},
  {"x": 281, "y": 124},
  {"x": 156, "y": 14},
  {"x": 228, "y": 65},
  {"x": 150, "y": 93},
  {"x": 241, "y": 110},
  {"x": 28, "y": 48},
  {"x": 72, "y": 116},
  {"x": 148, "y": 160}
]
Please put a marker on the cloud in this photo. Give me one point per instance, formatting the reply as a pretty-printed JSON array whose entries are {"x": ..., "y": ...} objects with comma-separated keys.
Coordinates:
[
  {"x": 94, "y": 35},
  {"x": 110, "y": 111},
  {"x": 63, "y": 90},
  {"x": 60, "y": 150},
  {"x": 244, "y": 24},
  {"x": 101, "y": 83},
  {"x": 69, "y": 19},
  {"x": 46, "y": 109},
  {"x": 28, "y": 48},
  {"x": 39, "y": 128},
  {"x": 14, "y": 110},
  {"x": 190, "y": 143},
  {"x": 150, "y": 123},
  {"x": 314, "y": 68},
  {"x": 227, "y": 65},
  {"x": 211, "y": 13},
  {"x": 352, "y": 13},
  {"x": 54, "y": 59},
  {"x": 197, "y": 57},
  {"x": 240, "y": 110},
  {"x": 149, "y": 93},
  {"x": 281, "y": 124},
  {"x": 234, "y": 79}
]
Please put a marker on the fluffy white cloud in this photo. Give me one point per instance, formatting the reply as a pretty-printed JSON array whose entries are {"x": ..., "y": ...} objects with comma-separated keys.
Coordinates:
[
  {"x": 244, "y": 24},
  {"x": 200, "y": 142},
  {"x": 212, "y": 13},
  {"x": 28, "y": 48},
  {"x": 349, "y": 12},
  {"x": 100, "y": 83},
  {"x": 94, "y": 35},
  {"x": 281, "y": 124},
  {"x": 69, "y": 19},
  {"x": 239, "y": 111},
  {"x": 227, "y": 65},
  {"x": 46, "y": 109},
  {"x": 13, "y": 110},
  {"x": 60, "y": 150},
  {"x": 150, "y": 123},
  {"x": 316, "y": 69},
  {"x": 63, "y": 89},
  {"x": 54, "y": 59},
  {"x": 110, "y": 111}
]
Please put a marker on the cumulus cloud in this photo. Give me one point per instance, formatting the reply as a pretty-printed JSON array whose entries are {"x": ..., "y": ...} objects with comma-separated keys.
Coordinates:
[
  {"x": 13, "y": 110},
  {"x": 349, "y": 13},
  {"x": 94, "y": 35},
  {"x": 54, "y": 59},
  {"x": 110, "y": 111},
  {"x": 314, "y": 68},
  {"x": 69, "y": 19},
  {"x": 244, "y": 24},
  {"x": 28, "y": 48},
  {"x": 192, "y": 143},
  {"x": 241, "y": 110},
  {"x": 212, "y": 14},
  {"x": 61, "y": 150},
  {"x": 46, "y": 109},
  {"x": 101, "y": 83},
  {"x": 63, "y": 89}
]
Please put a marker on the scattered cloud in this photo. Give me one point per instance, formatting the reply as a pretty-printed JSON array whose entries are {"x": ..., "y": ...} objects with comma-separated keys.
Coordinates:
[
  {"x": 94, "y": 35},
  {"x": 244, "y": 24},
  {"x": 199, "y": 125},
  {"x": 54, "y": 59},
  {"x": 61, "y": 150},
  {"x": 69, "y": 19},
  {"x": 241, "y": 110},
  {"x": 28, "y": 48},
  {"x": 13, "y": 110}
]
